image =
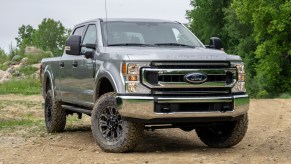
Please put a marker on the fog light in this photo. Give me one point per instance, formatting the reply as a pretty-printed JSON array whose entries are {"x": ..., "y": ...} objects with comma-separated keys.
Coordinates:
[
  {"x": 132, "y": 78},
  {"x": 131, "y": 87},
  {"x": 239, "y": 87}
]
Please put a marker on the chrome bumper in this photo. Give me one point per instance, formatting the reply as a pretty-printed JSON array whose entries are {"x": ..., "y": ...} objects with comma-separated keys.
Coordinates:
[{"x": 142, "y": 107}]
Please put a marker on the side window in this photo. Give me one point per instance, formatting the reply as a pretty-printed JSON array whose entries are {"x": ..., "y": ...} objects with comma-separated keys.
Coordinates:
[
  {"x": 79, "y": 31},
  {"x": 90, "y": 37}
]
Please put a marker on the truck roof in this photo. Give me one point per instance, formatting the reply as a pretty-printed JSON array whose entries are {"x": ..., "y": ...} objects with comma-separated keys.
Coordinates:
[{"x": 126, "y": 20}]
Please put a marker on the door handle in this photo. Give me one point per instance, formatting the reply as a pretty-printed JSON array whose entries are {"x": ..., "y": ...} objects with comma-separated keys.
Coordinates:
[
  {"x": 75, "y": 64},
  {"x": 62, "y": 64}
]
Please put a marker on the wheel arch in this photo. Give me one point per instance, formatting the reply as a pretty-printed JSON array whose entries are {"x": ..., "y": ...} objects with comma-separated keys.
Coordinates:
[{"x": 48, "y": 82}]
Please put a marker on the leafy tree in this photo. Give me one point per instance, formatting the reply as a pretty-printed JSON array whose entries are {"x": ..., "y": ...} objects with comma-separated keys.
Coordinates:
[
  {"x": 242, "y": 43},
  {"x": 271, "y": 23},
  {"x": 50, "y": 36},
  {"x": 24, "y": 37},
  {"x": 207, "y": 19}
]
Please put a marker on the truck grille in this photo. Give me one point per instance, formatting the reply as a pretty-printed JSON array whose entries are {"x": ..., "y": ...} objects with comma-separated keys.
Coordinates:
[{"x": 169, "y": 77}]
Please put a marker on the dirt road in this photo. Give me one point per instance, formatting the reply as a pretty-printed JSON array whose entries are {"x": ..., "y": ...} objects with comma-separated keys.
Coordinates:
[{"x": 23, "y": 138}]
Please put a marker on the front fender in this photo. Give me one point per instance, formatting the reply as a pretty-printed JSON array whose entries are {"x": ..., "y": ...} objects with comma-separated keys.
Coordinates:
[{"x": 110, "y": 71}]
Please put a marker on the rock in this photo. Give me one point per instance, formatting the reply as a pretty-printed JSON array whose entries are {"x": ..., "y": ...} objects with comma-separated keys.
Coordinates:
[
  {"x": 4, "y": 76},
  {"x": 24, "y": 61},
  {"x": 33, "y": 50},
  {"x": 36, "y": 65}
]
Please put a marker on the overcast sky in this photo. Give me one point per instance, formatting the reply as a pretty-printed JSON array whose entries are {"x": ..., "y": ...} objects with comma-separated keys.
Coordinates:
[{"x": 14, "y": 13}]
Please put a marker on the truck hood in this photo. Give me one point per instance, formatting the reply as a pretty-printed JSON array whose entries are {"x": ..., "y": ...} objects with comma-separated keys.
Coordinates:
[{"x": 145, "y": 54}]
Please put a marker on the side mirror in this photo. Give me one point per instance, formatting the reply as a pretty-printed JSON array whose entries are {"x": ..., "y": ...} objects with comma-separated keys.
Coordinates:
[
  {"x": 216, "y": 43},
  {"x": 73, "y": 45}
]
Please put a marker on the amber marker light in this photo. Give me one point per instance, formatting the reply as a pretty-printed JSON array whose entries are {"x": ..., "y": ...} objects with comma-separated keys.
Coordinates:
[
  {"x": 241, "y": 77},
  {"x": 124, "y": 70},
  {"x": 132, "y": 78}
]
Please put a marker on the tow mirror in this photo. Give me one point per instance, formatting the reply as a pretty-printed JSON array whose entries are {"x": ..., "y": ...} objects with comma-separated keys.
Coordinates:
[
  {"x": 73, "y": 45},
  {"x": 216, "y": 43}
]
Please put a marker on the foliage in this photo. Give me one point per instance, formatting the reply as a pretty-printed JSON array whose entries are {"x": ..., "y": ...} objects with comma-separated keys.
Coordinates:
[
  {"x": 207, "y": 19},
  {"x": 27, "y": 86},
  {"x": 50, "y": 36},
  {"x": 3, "y": 56},
  {"x": 33, "y": 59},
  {"x": 258, "y": 31},
  {"x": 27, "y": 70},
  {"x": 285, "y": 95},
  {"x": 24, "y": 37}
]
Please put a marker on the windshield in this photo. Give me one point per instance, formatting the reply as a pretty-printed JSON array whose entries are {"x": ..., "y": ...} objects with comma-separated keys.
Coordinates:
[{"x": 148, "y": 34}]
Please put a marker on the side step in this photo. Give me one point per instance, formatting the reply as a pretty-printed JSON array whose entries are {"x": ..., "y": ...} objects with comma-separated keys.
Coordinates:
[{"x": 77, "y": 109}]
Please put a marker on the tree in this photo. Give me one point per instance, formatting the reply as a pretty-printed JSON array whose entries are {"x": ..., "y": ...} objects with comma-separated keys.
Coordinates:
[
  {"x": 271, "y": 22},
  {"x": 24, "y": 37},
  {"x": 207, "y": 19},
  {"x": 50, "y": 36}
]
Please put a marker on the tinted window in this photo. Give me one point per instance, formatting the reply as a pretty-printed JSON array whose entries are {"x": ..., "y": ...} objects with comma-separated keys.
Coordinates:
[{"x": 79, "y": 31}]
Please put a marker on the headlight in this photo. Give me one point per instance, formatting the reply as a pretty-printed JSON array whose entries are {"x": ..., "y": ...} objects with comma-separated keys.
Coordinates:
[
  {"x": 240, "y": 85},
  {"x": 131, "y": 74}
]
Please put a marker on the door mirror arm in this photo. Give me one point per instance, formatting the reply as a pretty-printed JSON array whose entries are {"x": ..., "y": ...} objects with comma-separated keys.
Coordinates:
[{"x": 89, "y": 54}]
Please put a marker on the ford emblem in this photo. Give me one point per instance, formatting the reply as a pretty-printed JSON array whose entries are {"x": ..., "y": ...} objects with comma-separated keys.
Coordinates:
[{"x": 195, "y": 78}]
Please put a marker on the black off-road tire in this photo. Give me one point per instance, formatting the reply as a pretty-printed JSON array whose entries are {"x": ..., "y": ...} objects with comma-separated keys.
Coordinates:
[
  {"x": 224, "y": 135},
  {"x": 55, "y": 115},
  {"x": 122, "y": 138}
]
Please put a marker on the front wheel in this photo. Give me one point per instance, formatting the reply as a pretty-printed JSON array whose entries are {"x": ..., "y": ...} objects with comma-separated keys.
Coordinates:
[
  {"x": 111, "y": 132},
  {"x": 225, "y": 134}
]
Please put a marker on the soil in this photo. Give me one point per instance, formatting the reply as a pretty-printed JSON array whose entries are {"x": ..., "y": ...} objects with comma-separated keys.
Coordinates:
[{"x": 268, "y": 140}]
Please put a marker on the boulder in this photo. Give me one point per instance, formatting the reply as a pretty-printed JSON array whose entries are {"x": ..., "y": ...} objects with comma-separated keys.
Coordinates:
[
  {"x": 4, "y": 76},
  {"x": 24, "y": 61},
  {"x": 33, "y": 50}
]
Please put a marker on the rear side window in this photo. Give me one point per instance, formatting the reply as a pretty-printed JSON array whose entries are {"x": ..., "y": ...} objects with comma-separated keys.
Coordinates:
[{"x": 79, "y": 31}]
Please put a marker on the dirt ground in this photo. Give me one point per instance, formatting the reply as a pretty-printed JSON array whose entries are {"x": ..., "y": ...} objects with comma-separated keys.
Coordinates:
[{"x": 268, "y": 139}]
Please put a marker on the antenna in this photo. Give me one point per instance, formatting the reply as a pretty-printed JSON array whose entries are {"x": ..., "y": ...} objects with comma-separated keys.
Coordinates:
[{"x": 106, "y": 17}]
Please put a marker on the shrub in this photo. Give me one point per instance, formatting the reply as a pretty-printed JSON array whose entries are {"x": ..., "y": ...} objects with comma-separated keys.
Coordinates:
[{"x": 27, "y": 70}]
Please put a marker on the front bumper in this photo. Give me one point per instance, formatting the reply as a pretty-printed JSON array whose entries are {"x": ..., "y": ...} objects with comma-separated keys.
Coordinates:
[{"x": 142, "y": 107}]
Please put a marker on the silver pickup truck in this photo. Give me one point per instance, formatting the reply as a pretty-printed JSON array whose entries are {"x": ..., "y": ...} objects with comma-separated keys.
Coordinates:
[{"x": 135, "y": 74}]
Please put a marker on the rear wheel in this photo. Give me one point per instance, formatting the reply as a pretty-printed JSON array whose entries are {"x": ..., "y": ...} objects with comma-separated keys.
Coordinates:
[
  {"x": 225, "y": 134},
  {"x": 55, "y": 115},
  {"x": 112, "y": 133}
]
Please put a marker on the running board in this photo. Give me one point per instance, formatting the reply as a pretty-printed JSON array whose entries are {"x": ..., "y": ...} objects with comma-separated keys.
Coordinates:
[{"x": 77, "y": 109}]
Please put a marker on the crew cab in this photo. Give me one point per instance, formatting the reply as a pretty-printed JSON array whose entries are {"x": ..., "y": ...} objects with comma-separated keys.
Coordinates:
[{"x": 135, "y": 74}]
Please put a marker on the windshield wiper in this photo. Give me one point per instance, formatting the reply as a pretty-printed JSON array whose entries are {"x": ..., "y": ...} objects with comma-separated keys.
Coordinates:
[
  {"x": 174, "y": 44},
  {"x": 130, "y": 44}
]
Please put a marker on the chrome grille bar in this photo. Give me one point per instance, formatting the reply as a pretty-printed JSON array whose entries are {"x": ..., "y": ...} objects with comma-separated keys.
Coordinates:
[{"x": 153, "y": 80}]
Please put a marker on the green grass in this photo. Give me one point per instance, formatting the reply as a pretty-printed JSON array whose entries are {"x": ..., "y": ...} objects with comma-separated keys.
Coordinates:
[
  {"x": 14, "y": 123},
  {"x": 28, "y": 86},
  {"x": 27, "y": 70}
]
